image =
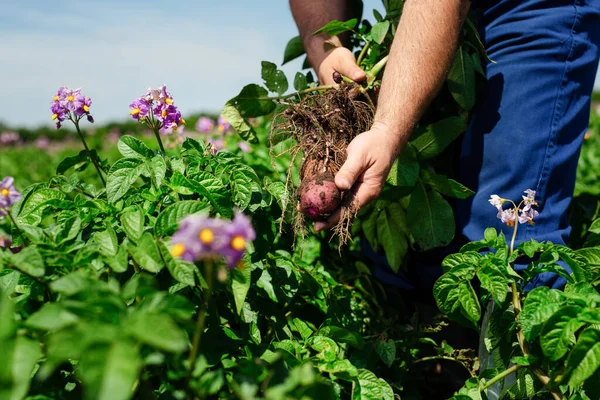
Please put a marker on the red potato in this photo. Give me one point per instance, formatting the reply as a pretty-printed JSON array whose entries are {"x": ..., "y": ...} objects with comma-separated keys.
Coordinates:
[{"x": 319, "y": 197}]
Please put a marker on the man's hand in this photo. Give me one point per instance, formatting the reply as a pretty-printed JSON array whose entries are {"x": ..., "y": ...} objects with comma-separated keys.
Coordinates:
[
  {"x": 369, "y": 159},
  {"x": 341, "y": 60}
]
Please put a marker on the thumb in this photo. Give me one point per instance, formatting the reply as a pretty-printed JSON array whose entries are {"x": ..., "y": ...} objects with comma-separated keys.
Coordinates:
[
  {"x": 350, "y": 171},
  {"x": 346, "y": 66}
]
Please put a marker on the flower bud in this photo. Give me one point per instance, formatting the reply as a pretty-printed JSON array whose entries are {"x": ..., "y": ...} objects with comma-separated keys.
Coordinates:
[{"x": 90, "y": 118}]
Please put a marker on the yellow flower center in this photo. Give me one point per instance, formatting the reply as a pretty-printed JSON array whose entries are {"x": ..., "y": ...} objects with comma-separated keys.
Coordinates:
[
  {"x": 221, "y": 128},
  {"x": 224, "y": 143},
  {"x": 55, "y": 98},
  {"x": 169, "y": 101},
  {"x": 178, "y": 250},
  {"x": 54, "y": 116},
  {"x": 238, "y": 243},
  {"x": 206, "y": 236},
  {"x": 164, "y": 113},
  {"x": 86, "y": 108},
  {"x": 4, "y": 192},
  {"x": 135, "y": 111},
  {"x": 182, "y": 121},
  {"x": 70, "y": 98}
]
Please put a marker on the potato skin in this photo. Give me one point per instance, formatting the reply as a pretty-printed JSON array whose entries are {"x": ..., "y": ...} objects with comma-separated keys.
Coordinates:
[{"x": 319, "y": 197}]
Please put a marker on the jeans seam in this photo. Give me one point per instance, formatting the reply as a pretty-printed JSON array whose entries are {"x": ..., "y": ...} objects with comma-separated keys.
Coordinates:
[{"x": 556, "y": 115}]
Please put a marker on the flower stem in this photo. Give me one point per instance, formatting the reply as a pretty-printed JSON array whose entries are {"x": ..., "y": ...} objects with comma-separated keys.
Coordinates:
[
  {"x": 433, "y": 358},
  {"x": 90, "y": 155},
  {"x": 19, "y": 232},
  {"x": 299, "y": 92},
  {"x": 157, "y": 134},
  {"x": 201, "y": 322},
  {"x": 500, "y": 376}
]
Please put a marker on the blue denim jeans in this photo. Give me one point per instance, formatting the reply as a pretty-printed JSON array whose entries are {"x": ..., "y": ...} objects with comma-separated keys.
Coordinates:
[{"x": 528, "y": 129}]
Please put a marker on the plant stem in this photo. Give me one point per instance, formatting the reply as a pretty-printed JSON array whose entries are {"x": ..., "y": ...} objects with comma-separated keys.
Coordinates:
[
  {"x": 162, "y": 148},
  {"x": 200, "y": 323},
  {"x": 19, "y": 232},
  {"x": 362, "y": 54},
  {"x": 372, "y": 74},
  {"x": 433, "y": 358},
  {"x": 94, "y": 161},
  {"x": 500, "y": 376}
]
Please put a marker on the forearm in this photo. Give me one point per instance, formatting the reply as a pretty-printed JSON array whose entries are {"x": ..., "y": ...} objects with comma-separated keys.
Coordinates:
[
  {"x": 311, "y": 15},
  {"x": 421, "y": 55}
]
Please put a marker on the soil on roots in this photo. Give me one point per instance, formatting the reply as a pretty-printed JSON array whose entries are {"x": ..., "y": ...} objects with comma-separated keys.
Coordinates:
[{"x": 323, "y": 125}]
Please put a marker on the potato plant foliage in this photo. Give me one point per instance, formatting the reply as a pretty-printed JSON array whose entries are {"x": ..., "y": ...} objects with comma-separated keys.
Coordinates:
[{"x": 95, "y": 306}]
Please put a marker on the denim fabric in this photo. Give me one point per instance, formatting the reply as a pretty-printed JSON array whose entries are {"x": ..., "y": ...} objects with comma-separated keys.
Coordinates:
[{"x": 528, "y": 130}]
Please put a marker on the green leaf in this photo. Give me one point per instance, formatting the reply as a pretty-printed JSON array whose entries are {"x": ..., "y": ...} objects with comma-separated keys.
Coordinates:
[
  {"x": 70, "y": 230},
  {"x": 77, "y": 161},
  {"x": 539, "y": 305},
  {"x": 293, "y": 49},
  {"x": 342, "y": 335},
  {"x": 51, "y": 317},
  {"x": 157, "y": 330},
  {"x": 120, "y": 261},
  {"x": 264, "y": 282},
  {"x": 300, "y": 82},
  {"x": 368, "y": 386},
  {"x": 584, "y": 359},
  {"x": 34, "y": 204},
  {"x": 107, "y": 241},
  {"x": 156, "y": 168},
  {"x": 326, "y": 347},
  {"x": 239, "y": 124},
  {"x": 121, "y": 176},
  {"x": 240, "y": 284},
  {"x": 437, "y": 136},
  {"x": 495, "y": 282},
  {"x": 253, "y": 101},
  {"x": 461, "y": 80},
  {"x": 132, "y": 222},
  {"x": 336, "y": 27},
  {"x": 405, "y": 170},
  {"x": 29, "y": 261},
  {"x": 110, "y": 371},
  {"x": 430, "y": 219},
  {"x": 391, "y": 225},
  {"x": 166, "y": 222},
  {"x": 181, "y": 270},
  {"x": 302, "y": 328},
  {"x": 146, "y": 253},
  {"x": 379, "y": 31},
  {"x": 558, "y": 332},
  {"x": 470, "y": 258},
  {"x": 241, "y": 181},
  {"x": 131, "y": 147},
  {"x": 214, "y": 191},
  {"x": 274, "y": 78},
  {"x": 445, "y": 186},
  {"x": 469, "y": 301},
  {"x": 18, "y": 358},
  {"x": 387, "y": 351}
]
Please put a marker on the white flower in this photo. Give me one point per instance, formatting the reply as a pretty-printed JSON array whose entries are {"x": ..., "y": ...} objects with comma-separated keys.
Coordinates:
[
  {"x": 529, "y": 200},
  {"x": 496, "y": 201},
  {"x": 508, "y": 216},
  {"x": 528, "y": 216}
]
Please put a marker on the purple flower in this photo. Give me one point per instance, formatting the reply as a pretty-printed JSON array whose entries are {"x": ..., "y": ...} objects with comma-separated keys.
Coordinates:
[
  {"x": 8, "y": 193},
  {"x": 9, "y": 138},
  {"x": 198, "y": 238},
  {"x": 496, "y": 201},
  {"x": 508, "y": 217},
  {"x": 529, "y": 200},
  {"x": 171, "y": 117},
  {"x": 244, "y": 146},
  {"x": 70, "y": 104},
  {"x": 42, "y": 143},
  {"x": 224, "y": 126},
  {"x": 216, "y": 145},
  {"x": 139, "y": 108},
  {"x": 205, "y": 125},
  {"x": 5, "y": 241},
  {"x": 208, "y": 238},
  {"x": 528, "y": 216},
  {"x": 238, "y": 232}
]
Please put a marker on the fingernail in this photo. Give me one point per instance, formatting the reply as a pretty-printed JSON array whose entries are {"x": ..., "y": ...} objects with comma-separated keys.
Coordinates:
[{"x": 344, "y": 183}]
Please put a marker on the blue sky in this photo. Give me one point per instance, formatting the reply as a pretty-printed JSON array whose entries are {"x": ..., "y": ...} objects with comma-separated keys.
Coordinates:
[{"x": 204, "y": 51}]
